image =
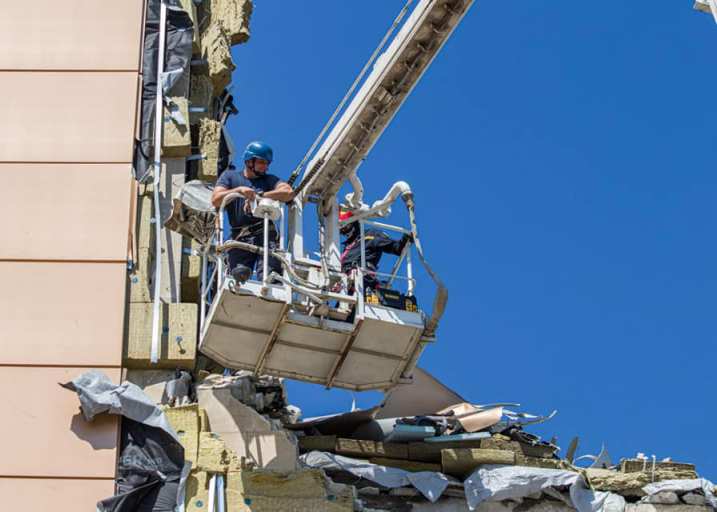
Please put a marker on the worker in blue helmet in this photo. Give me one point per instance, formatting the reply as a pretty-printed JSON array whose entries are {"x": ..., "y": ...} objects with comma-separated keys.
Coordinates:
[{"x": 252, "y": 181}]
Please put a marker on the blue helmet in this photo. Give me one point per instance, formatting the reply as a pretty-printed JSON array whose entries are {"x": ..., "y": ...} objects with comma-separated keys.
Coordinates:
[{"x": 258, "y": 149}]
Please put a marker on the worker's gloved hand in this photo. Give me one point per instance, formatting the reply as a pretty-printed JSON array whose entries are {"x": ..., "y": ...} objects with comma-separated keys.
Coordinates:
[
  {"x": 407, "y": 238},
  {"x": 241, "y": 273}
]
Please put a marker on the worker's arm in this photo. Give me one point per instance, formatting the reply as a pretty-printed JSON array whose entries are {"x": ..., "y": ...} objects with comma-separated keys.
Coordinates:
[
  {"x": 282, "y": 192},
  {"x": 390, "y": 246},
  {"x": 220, "y": 193}
]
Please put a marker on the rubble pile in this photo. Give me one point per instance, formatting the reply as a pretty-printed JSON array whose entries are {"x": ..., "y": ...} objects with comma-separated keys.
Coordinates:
[{"x": 241, "y": 435}]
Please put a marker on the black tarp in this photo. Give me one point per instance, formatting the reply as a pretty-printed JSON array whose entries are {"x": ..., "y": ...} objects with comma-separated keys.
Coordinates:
[
  {"x": 178, "y": 55},
  {"x": 149, "y": 471}
]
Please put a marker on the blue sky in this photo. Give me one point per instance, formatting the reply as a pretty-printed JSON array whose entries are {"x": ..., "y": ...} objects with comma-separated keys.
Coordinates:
[{"x": 562, "y": 159}]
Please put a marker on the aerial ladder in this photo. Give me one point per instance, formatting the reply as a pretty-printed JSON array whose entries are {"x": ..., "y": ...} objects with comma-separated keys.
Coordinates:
[{"x": 313, "y": 322}]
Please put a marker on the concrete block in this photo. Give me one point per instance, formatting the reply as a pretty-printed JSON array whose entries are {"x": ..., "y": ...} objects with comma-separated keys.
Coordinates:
[
  {"x": 176, "y": 139},
  {"x": 185, "y": 422},
  {"x": 201, "y": 93},
  {"x": 178, "y": 343},
  {"x": 462, "y": 462},
  {"x": 209, "y": 138},
  {"x": 692, "y": 498},
  {"x": 152, "y": 382},
  {"x": 246, "y": 432},
  {"x": 431, "y": 452},
  {"x": 536, "y": 462},
  {"x": 630, "y": 484},
  {"x": 662, "y": 498},
  {"x": 368, "y": 449},
  {"x": 216, "y": 49}
]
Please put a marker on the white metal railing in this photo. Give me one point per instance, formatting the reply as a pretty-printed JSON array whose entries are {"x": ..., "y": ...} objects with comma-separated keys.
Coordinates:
[{"x": 158, "y": 129}]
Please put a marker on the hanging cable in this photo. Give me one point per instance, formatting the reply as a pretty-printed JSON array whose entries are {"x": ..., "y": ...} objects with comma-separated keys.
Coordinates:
[{"x": 349, "y": 93}]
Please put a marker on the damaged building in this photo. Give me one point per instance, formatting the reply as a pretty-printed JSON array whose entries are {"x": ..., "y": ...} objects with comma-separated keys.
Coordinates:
[{"x": 169, "y": 412}]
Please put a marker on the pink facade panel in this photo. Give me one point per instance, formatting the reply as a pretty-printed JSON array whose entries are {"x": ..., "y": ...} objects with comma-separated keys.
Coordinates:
[
  {"x": 79, "y": 211},
  {"x": 67, "y": 116},
  {"x": 57, "y": 495},
  {"x": 58, "y": 313},
  {"x": 71, "y": 35},
  {"x": 43, "y": 433}
]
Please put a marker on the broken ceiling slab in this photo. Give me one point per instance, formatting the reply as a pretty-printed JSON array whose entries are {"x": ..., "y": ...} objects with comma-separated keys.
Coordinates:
[
  {"x": 152, "y": 382},
  {"x": 424, "y": 396},
  {"x": 631, "y": 484},
  {"x": 249, "y": 434}
]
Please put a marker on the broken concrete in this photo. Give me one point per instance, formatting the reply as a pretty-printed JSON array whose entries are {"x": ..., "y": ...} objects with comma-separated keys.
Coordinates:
[
  {"x": 178, "y": 343},
  {"x": 152, "y": 382},
  {"x": 209, "y": 138},
  {"x": 244, "y": 430},
  {"x": 630, "y": 484}
]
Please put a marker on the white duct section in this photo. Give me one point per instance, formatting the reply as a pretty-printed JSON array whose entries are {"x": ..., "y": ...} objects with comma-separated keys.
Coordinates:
[
  {"x": 382, "y": 207},
  {"x": 355, "y": 199}
]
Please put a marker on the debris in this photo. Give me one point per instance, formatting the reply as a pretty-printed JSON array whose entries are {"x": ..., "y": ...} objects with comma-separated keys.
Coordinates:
[
  {"x": 572, "y": 448},
  {"x": 473, "y": 418},
  {"x": 430, "y": 484},
  {"x": 424, "y": 396},
  {"x": 151, "y": 468},
  {"x": 242, "y": 428},
  {"x": 662, "y": 498},
  {"x": 495, "y": 483},
  {"x": 476, "y": 436}
]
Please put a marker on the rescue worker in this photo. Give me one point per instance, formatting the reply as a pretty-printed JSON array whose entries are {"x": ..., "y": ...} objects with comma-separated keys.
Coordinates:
[
  {"x": 376, "y": 243},
  {"x": 252, "y": 181}
]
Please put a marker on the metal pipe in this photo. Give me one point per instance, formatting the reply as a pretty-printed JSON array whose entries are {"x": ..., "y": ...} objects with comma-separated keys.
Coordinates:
[
  {"x": 158, "y": 128},
  {"x": 355, "y": 198},
  {"x": 212, "y": 493},
  {"x": 221, "y": 499},
  {"x": 203, "y": 301},
  {"x": 388, "y": 227},
  {"x": 397, "y": 266},
  {"x": 409, "y": 272},
  {"x": 265, "y": 262}
]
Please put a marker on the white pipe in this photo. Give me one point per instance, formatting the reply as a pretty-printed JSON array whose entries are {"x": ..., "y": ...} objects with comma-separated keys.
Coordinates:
[
  {"x": 355, "y": 198},
  {"x": 158, "y": 128},
  {"x": 212, "y": 493},
  {"x": 221, "y": 500},
  {"x": 409, "y": 271},
  {"x": 203, "y": 304},
  {"x": 265, "y": 263}
]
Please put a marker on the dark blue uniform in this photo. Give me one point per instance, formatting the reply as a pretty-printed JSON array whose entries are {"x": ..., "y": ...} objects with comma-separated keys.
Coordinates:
[
  {"x": 376, "y": 244},
  {"x": 247, "y": 228}
]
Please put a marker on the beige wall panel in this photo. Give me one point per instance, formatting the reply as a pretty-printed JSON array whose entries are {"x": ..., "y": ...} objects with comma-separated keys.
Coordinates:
[
  {"x": 71, "y": 34},
  {"x": 67, "y": 117},
  {"x": 42, "y": 494},
  {"x": 79, "y": 212},
  {"x": 62, "y": 313},
  {"x": 43, "y": 432}
]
